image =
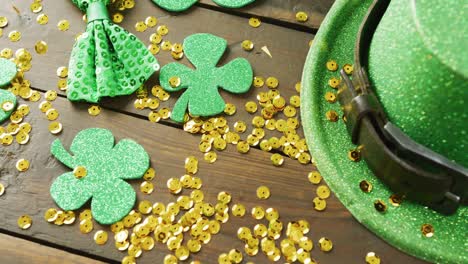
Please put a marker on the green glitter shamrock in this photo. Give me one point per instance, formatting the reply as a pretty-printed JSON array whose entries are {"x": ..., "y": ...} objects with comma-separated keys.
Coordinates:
[
  {"x": 7, "y": 99},
  {"x": 181, "y": 5},
  {"x": 202, "y": 97},
  {"x": 100, "y": 169}
]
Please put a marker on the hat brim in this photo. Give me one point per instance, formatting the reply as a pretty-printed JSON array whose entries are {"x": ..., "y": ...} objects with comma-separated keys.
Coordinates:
[{"x": 329, "y": 144}]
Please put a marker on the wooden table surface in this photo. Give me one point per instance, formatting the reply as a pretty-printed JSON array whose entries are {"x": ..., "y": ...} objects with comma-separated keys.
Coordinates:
[{"x": 167, "y": 143}]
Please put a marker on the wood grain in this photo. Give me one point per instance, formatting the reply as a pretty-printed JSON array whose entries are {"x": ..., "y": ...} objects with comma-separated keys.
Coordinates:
[
  {"x": 167, "y": 145},
  {"x": 28, "y": 193},
  {"x": 20, "y": 251},
  {"x": 282, "y": 10},
  {"x": 288, "y": 48}
]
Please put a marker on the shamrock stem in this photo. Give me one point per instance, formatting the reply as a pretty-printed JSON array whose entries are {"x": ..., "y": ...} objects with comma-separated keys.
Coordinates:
[
  {"x": 62, "y": 154},
  {"x": 178, "y": 112}
]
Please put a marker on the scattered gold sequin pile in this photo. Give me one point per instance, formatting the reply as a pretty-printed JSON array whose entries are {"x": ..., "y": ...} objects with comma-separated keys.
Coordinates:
[
  {"x": 216, "y": 133},
  {"x": 295, "y": 246},
  {"x": 18, "y": 129}
]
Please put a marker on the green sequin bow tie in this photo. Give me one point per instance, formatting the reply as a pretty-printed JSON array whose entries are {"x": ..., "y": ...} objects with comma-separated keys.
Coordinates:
[
  {"x": 106, "y": 60},
  {"x": 181, "y": 5}
]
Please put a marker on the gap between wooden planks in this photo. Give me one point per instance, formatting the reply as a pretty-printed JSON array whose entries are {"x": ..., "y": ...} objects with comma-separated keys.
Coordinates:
[
  {"x": 20, "y": 251},
  {"x": 28, "y": 192},
  {"x": 288, "y": 47},
  {"x": 281, "y": 11}
]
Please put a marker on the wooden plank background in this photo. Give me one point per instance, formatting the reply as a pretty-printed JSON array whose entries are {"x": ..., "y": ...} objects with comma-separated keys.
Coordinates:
[{"x": 167, "y": 144}]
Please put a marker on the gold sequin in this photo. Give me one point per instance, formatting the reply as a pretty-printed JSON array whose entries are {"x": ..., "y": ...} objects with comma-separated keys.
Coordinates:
[
  {"x": 251, "y": 107},
  {"x": 182, "y": 253},
  {"x": 365, "y": 186},
  {"x": 149, "y": 174},
  {"x": 162, "y": 30},
  {"x": 272, "y": 82},
  {"x": 395, "y": 200},
  {"x": 42, "y": 19},
  {"x": 151, "y": 21},
  {"x": 230, "y": 109},
  {"x": 145, "y": 207},
  {"x": 3, "y": 21},
  {"x": 319, "y": 204},
  {"x": 254, "y": 22},
  {"x": 277, "y": 159},
  {"x": 7, "y": 106},
  {"x": 332, "y": 65},
  {"x": 51, "y": 215},
  {"x": 372, "y": 258},
  {"x": 258, "y": 212},
  {"x": 224, "y": 197},
  {"x": 52, "y": 114},
  {"x": 100, "y": 237},
  {"x": 41, "y": 47},
  {"x": 348, "y": 68},
  {"x": 22, "y": 165},
  {"x": 174, "y": 185},
  {"x": 427, "y": 230},
  {"x": 263, "y": 192},
  {"x": 117, "y": 18},
  {"x": 301, "y": 16},
  {"x": 210, "y": 156},
  {"x": 2, "y": 189},
  {"x": 235, "y": 256},
  {"x": 36, "y": 7},
  {"x": 330, "y": 97},
  {"x": 325, "y": 244},
  {"x": 63, "y": 25},
  {"x": 140, "y": 26},
  {"x": 247, "y": 45},
  {"x": 62, "y": 84},
  {"x": 51, "y": 95},
  {"x": 86, "y": 226},
  {"x": 271, "y": 214},
  {"x": 24, "y": 222},
  {"x": 323, "y": 192},
  {"x": 243, "y": 147},
  {"x": 331, "y": 115},
  {"x": 380, "y": 206},
  {"x": 314, "y": 177},
  {"x": 155, "y": 38},
  {"x": 55, "y": 127},
  {"x": 174, "y": 81},
  {"x": 334, "y": 82},
  {"x": 354, "y": 155},
  {"x": 238, "y": 210},
  {"x": 154, "y": 117},
  {"x": 80, "y": 172},
  {"x": 85, "y": 214},
  {"x": 146, "y": 187},
  {"x": 94, "y": 110},
  {"x": 14, "y": 36}
]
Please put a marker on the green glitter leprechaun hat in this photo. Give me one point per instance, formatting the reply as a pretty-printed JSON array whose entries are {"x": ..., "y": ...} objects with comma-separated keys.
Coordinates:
[
  {"x": 384, "y": 95},
  {"x": 106, "y": 60}
]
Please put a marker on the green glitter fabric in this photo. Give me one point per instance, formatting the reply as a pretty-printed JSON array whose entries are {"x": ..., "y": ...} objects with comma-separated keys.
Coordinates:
[
  {"x": 175, "y": 5},
  {"x": 6, "y": 97},
  {"x": 201, "y": 96},
  {"x": 107, "y": 167},
  {"x": 329, "y": 143},
  {"x": 106, "y": 60},
  {"x": 8, "y": 71},
  {"x": 438, "y": 116},
  {"x": 233, "y": 3},
  {"x": 182, "y": 5}
]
